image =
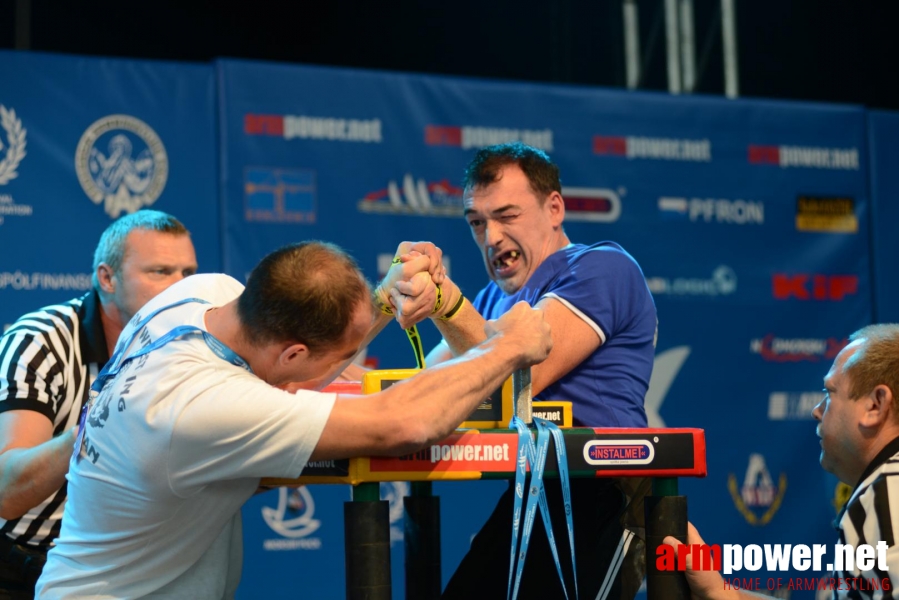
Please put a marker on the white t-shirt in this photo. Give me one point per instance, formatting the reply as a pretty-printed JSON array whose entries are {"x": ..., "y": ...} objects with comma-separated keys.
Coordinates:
[{"x": 174, "y": 445}]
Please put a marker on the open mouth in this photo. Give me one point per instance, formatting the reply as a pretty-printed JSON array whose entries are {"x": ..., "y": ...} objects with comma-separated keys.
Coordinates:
[{"x": 505, "y": 261}]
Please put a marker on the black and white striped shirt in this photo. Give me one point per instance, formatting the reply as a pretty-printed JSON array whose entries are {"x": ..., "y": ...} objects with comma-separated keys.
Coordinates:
[
  {"x": 872, "y": 516},
  {"x": 48, "y": 359}
]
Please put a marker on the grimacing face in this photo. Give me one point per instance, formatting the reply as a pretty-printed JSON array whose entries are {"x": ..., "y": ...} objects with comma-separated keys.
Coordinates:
[
  {"x": 513, "y": 230},
  {"x": 153, "y": 261}
]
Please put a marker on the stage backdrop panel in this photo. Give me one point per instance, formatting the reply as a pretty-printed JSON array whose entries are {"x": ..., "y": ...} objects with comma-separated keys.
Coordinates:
[
  {"x": 85, "y": 140},
  {"x": 749, "y": 218},
  {"x": 883, "y": 131}
]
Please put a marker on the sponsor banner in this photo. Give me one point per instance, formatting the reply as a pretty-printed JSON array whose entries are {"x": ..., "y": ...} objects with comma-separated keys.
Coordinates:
[
  {"x": 826, "y": 214},
  {"x": 723, "y": 282},
  {"x": 303, "y": 158},
  {"x": 305, "y": 127},
  {"x": 123, "y": 142},
  {"x": 639, "y": 147},
  {"x": 790, "y": 406},
  {"x": 805, "y": 157},
  {"x": 759, "y": 498},
  {"x": 813, "y": 286},
  {"x": 712, "y": 210},
  {"x": 470, "y": 136},
  {"x": 883, "y": 131},
  {"x": 779, "y": 349}
]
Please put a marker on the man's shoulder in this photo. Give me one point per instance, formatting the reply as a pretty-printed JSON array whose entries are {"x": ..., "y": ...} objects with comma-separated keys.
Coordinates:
[
  {"x": 63, "y": 316},
  {"x": 215, "y": 288}
]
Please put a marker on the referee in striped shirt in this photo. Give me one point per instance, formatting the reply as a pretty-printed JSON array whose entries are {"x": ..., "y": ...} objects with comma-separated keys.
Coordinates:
[
  {"x": 48, "y": 360},
  {"x": 858, "y": 423}
]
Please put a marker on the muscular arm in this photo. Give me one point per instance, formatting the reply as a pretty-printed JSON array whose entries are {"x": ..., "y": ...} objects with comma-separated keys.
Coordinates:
[
  {"x": 33, "y": 464},
  {"x": 425, "y": 408},
  {"x": 573, "y": 341}
]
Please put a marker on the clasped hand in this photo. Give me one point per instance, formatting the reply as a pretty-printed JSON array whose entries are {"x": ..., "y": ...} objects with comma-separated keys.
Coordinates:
[{"x": 410, "y": 286}]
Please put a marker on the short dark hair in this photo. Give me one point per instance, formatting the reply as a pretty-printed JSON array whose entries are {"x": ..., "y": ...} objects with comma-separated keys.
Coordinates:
[
  {"x": 484, "y": 168},
  {"x": 111, "y": 247},
  {"x": 305, "y": 292},
  {"x": 876, "y": 362}
]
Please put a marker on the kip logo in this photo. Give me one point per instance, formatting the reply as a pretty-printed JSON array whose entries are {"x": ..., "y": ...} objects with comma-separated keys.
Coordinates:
[
  {"x": 804, "y": 157},
  {"x": 832, "y": 288},
  {"x": 758, "y": 500},
  {"x": 292, "y": 519},
  {"x": 619, "y": 452},
  {"x": 638, "y": 147},
  {"x": 469, "y": 136}
]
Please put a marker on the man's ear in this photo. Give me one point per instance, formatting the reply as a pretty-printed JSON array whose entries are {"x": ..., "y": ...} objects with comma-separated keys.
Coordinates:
[
  {"x": 106, "y": 278},
  {"x": 878, "y": 406},
  {"x": 292, "y": 352},
  {"x": 555, "y": 205}
]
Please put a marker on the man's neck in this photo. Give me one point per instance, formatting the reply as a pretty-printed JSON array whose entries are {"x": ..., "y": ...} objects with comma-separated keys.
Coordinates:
[
  {"x": 111, "y": 319},
  {"x": 224, "y": 324}
]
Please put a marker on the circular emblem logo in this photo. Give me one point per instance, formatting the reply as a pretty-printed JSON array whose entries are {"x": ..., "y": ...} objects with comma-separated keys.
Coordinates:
[
  {"x": 121, "y": 162},
  {"x": 12, "y": 153}
]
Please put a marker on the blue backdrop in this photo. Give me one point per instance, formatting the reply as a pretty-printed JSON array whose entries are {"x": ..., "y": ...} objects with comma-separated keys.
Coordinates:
[{"x": 761, "y": 228}]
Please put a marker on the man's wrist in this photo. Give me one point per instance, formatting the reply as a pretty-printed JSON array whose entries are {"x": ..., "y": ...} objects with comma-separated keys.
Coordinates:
[
  {"x": 382, "y": 301},
  {"x": 450, "y": 301}
]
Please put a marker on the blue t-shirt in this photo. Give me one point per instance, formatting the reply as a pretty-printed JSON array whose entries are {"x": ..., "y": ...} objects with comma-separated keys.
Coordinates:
[{"x": 604, "y": 286}]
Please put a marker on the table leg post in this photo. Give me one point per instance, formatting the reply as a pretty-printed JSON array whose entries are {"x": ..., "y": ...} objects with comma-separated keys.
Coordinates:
[
  {"x": 367, "y": 544},
  {"x": 666, "y": 514},
  {"x": 421, "y": 528}
]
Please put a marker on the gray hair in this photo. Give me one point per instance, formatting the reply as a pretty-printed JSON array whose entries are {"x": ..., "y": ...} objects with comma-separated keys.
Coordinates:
[{"x": 111, "y": 247}]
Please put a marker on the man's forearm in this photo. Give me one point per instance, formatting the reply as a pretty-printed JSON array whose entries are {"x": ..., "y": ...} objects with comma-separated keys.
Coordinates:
[
  {"x": 465, "y": 329},
  {"x": 457, "y": 386},
  {"x": 28, "y": 476}
]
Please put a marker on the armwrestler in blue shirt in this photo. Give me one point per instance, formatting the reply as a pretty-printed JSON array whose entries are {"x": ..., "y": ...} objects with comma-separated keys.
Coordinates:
[{"x": 604, "y": 325}]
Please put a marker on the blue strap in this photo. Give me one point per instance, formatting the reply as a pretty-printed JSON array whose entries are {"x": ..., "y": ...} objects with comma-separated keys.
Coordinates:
[
  {"x": 534, "y": 454},
  {"x": 119, "y": 360}
]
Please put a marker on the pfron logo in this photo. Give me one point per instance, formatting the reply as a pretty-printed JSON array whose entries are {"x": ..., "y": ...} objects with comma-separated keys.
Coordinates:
[
  {"x": 804, "y": 157},
  {"x": 636, "y": 147},
  {"x": 414, "y": 197},
  {"x": 832, "y": 288},
  {"x": 619, "y": 452},
  {"x": 13, "y": 151},
  {"x": 292, "y": 519},
  {"x": 733, "y": 212},
  {"x": 759, "y": 499},
  {"x": 469, "y": 136},
  {"x": 121, "y": 162},
  {"x": 774, "y": 349},
  {"x": 723, "y": 282}
]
